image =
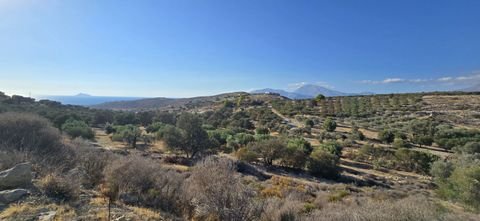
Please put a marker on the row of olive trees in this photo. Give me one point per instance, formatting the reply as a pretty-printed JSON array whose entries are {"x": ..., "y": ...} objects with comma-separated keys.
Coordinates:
[
  {"x": 296, "y": 153},
  {"x": 427, "y": 132}
]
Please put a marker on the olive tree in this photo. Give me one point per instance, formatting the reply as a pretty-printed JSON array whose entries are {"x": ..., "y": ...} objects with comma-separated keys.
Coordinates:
[
  {"x": 329, "y": 124},
  {"x": 268, "y": 150},
  {"x": 196, "y": 139}
]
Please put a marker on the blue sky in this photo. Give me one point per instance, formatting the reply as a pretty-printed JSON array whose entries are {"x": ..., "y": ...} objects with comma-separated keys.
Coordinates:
[{"x": 179, "y": 48}]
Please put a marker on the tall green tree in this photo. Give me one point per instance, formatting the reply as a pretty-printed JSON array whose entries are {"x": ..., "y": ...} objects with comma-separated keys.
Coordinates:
[
  {"x": 196, "y": 138},
  {"x": 129, "y": 134}
]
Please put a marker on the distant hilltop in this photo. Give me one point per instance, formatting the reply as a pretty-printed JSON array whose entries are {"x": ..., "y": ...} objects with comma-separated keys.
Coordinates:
[
  {"x": 83, "y": 95},
  {"x": 308, "y": 91}
]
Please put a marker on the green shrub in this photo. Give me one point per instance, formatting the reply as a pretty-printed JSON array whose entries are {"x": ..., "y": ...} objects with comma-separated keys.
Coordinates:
[
  {"x": 219, "y": 135},
  {"x": 269, "y": 150},
  {"x": 441, "y": 170},
  {"x": 448, "y": 138},
  {"x": 465, "y": 184},
  {"x": 246, "y": 155},
  {"x": 386, "y": 136},
  {"x": 323, "y": 163},
  {"x": 296, "y": 153},
  {"x": 155, "y": 127},
  {"x": 458, "y": 180},
  {"x": 77, "y": 128},
  {"x": 469, "y": 148},
  {"x": 400, "y": 143},
  {"x": 128, "y": 133},
  {"x": 243, "y": 138},
  {"x": 411, "y": 160},
  {"x": 422, "y": 131},
  {"x": 309, "y": 123},
  {"x": 332, "y": 147},
  {"x": 109, "y": 128},
  {"x": 262, "y": 130},
  {"x": 329, "y": 124},
  {"x": 356, "y": 134}
]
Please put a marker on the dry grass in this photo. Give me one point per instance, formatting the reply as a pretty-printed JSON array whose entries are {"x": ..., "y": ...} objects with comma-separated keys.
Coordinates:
[
  {"x": 158, "y": 147},
  {"x": 145, "y": 214},
  {"x": 101, "y": 215},
  {"x": 16, "y": 210},
  {"x": 369, "y": 134},
  {"x": 411, "y": 208},
  {"x": 338, "y": 195},
  {"x": 281, "y": 186},
  {"x": 98, "y": 201},
  {"x": 28, "y": 211},
  {"x": 177, "y": 167},
  {"x": 105, "y": 140}
]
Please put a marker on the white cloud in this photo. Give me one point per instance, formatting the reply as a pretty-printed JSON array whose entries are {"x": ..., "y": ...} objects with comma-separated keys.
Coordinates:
[
  {"x": 385, "y": 81},
  {"x": 473, "y": 78},
  {"x": 393, "y": 80},
  {"x": 294, "y": 86},
  {"x": 418, "y": 80},
  {"x": 445, "y": 79}
]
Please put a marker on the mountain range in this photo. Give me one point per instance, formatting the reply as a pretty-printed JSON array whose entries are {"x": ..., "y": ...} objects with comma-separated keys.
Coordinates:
[
  {"x": 473, "y": 88},
  {"x": 307, "y": 91},
  {"x": 103, "y": 102}
]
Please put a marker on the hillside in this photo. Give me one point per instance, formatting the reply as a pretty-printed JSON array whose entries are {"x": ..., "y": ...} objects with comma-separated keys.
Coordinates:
[
  {"x": 161, "y": 103},
  {"x": 315, "y": 155}
]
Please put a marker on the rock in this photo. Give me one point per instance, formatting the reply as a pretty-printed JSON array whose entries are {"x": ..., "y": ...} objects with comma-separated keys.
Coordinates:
[
  {"x": 10, "y": 196},
  {"x": 47, "y": 216},
  {"x": 18, "y": 176}
]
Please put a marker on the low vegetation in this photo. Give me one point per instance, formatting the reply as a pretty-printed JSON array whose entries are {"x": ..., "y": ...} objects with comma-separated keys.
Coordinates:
[{"x": 245, "y": 157}]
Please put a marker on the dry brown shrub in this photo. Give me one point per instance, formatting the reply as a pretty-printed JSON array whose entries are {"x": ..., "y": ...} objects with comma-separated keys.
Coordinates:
[
  {"x": 59, "y": 187},
  {"x": 411, "y": 208},
  {"x": 91, "y": 162},
  {"x": 282, "y": 209},
  {"x": 10, "y": 159},
  {"x": 143, "y": 182},
  {"x": 215, "y": 191},
  {"x": 36, "y": 140}
]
